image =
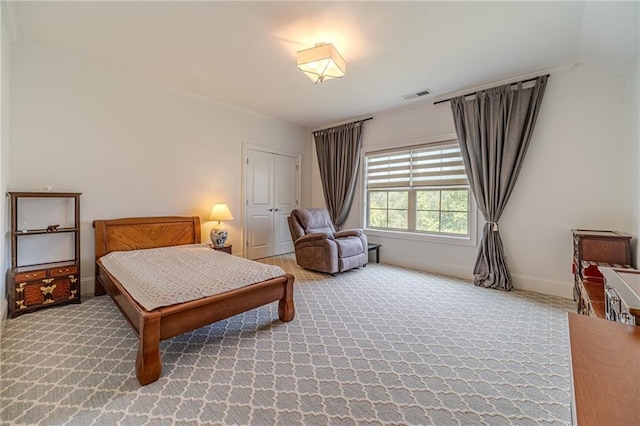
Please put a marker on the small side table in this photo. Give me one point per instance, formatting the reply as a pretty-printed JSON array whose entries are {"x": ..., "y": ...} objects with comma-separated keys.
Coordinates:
[
  {"x": 225, "y": 248},
  {"x": 376, "y": 247}
]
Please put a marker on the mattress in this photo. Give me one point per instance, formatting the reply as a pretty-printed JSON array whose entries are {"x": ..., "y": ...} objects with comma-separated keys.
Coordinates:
[{"x": 170, "y": 275}]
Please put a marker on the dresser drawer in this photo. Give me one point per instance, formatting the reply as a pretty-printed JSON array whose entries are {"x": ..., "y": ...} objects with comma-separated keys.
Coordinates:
[
  {"x": 622, "y": 290},
  {"x": 30, "y": 276},
  {"x": 63, "y": 271}
]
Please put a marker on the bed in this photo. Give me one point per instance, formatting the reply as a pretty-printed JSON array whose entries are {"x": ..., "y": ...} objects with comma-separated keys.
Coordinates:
[{"x": 152, "y": 326}]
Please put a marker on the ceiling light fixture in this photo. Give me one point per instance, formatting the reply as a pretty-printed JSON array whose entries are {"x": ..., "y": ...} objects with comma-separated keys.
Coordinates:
[{"x": 321, "y": 62}]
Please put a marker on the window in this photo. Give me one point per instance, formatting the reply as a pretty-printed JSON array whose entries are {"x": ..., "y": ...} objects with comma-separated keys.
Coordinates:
[{"x": 421, "y": 189}]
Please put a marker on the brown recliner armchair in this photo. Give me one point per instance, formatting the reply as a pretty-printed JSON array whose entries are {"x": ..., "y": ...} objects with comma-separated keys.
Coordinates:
[{"x": 320, "y": 248}]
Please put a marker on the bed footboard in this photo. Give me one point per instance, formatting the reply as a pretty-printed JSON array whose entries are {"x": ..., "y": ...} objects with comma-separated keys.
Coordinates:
[{"x": 174, "y": 320}]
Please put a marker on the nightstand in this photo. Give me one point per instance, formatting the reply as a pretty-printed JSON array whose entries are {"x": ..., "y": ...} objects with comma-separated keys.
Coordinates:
[{"x": 225, "y": 248}]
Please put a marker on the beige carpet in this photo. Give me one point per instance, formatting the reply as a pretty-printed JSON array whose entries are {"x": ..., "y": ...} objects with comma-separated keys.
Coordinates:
[{"x": 376, "y": 345}]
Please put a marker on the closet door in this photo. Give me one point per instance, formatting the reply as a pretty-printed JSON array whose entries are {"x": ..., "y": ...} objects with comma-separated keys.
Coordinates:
[
  {"x": 260, "y": 178},
  {"x": 271, "y": 192},
  {"x": 285, "y": 193}
]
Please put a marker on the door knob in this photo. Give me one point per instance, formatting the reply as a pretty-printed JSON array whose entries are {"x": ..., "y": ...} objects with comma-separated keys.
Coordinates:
[{"x": 276, "y": 209}]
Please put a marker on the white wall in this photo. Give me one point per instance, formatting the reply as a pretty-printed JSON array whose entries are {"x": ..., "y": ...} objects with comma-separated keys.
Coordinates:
[
  {"x": 5, "y": 62},
  {"x": 135, "y": 148},
  {"x": 572, "y": 178},
  {"x": 132, "y": 147},
  {"x": 632, "y": 156}
]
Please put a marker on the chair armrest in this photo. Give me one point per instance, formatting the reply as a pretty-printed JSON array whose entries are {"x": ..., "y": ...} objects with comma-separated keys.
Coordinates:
[
  {"x": 356, "y": 232},
  {"x": 314, "y": 237}
]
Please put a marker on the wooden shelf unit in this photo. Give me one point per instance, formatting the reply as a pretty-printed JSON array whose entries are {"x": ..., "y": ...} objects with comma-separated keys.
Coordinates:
[{"x": 40, "y": 285}]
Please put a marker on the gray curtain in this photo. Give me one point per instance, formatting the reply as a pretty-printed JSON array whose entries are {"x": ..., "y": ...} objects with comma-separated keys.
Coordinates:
[
  {"x": 338, "y": 150},
  {"x": 494, "y": 129}
]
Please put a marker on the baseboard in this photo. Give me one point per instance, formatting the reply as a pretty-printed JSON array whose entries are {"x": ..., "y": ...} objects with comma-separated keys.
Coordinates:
[
  {"x": 543, "y": 285},
  {"x": 449, "y": 270},
  {"x": 520, "y": 282},
  {"x": 87, "y": 287},
  {"x": 4, "y": 308}
]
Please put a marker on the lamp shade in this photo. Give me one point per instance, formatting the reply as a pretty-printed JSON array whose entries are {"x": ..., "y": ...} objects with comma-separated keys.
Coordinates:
[
  {"x": 220, "y": 212},
  {"x": 321, "y": 62}
]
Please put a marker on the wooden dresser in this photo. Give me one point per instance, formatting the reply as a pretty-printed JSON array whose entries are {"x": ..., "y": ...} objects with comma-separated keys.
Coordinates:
[
  {"x": 605, "y": 372},
  {"x": 590, "y": 249},
  {"x": 622, "y": 295}
]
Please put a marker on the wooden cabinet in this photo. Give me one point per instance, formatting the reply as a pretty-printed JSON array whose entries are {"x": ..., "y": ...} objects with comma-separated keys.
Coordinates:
[
  {"x": 35, "y": 284},
  {"x": 592, "y": 249},
  {"x": 622, "y": 295},
  {"x": 605, "y": 372}
]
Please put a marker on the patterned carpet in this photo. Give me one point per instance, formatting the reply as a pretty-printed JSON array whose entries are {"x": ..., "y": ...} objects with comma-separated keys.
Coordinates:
[{"x": 376, "y": 345}]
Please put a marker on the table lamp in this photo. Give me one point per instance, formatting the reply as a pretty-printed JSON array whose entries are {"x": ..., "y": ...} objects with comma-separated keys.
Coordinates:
[{"x": 218, "y": 234}]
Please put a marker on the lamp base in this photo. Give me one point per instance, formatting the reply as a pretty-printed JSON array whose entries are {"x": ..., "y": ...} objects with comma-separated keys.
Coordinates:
[{"x": 218, "y": 235}]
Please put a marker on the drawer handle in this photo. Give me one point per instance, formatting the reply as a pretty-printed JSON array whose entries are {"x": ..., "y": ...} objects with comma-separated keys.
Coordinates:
[{"x": 626, "y": 317}]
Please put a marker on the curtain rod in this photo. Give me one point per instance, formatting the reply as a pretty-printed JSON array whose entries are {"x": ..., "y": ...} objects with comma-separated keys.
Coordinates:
[
  {"x": 340, "y": 124},
  {"x": 473, "y": 93}
]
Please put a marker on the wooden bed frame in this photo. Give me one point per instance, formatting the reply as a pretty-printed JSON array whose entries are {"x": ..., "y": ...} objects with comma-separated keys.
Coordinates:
[{"x": 169, "y": 321}]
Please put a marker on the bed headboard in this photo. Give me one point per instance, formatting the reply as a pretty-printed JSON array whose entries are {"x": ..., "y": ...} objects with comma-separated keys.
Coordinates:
[{"x": 145, "y": 232}]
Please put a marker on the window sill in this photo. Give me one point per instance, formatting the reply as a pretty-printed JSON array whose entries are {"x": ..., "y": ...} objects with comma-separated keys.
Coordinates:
[{"x": 439, "y": 239}]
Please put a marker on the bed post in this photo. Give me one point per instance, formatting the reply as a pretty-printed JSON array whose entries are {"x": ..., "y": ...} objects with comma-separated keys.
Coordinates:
[
  {"x": 100, "y": 243},
  {"x": 286, "y": 308},
  {"x": 148, "y": 364}
]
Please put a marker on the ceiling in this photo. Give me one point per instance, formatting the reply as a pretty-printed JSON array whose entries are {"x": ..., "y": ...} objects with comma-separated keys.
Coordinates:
[{"x": 244, "y": 53}]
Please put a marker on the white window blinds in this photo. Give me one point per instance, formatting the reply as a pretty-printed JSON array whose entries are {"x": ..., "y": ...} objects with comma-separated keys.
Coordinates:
[{"x": 417, "y": 166}]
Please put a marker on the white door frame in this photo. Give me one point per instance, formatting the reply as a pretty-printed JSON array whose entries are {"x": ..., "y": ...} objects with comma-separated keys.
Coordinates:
[{"x": 243, "y": 202}]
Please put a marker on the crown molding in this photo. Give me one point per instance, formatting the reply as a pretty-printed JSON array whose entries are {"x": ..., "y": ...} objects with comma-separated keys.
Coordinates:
[{"x": 9, "y": 20}]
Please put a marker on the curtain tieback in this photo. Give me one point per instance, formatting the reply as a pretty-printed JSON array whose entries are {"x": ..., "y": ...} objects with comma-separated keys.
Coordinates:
[{"x": 494, "y": 226}]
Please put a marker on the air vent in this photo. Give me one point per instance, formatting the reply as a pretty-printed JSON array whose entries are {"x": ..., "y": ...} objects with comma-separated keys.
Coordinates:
[{"x": 417, "y": 94}]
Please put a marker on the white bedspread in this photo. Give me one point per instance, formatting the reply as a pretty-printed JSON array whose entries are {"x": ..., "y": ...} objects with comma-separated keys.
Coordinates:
[{"x": 169, "y": 275}]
